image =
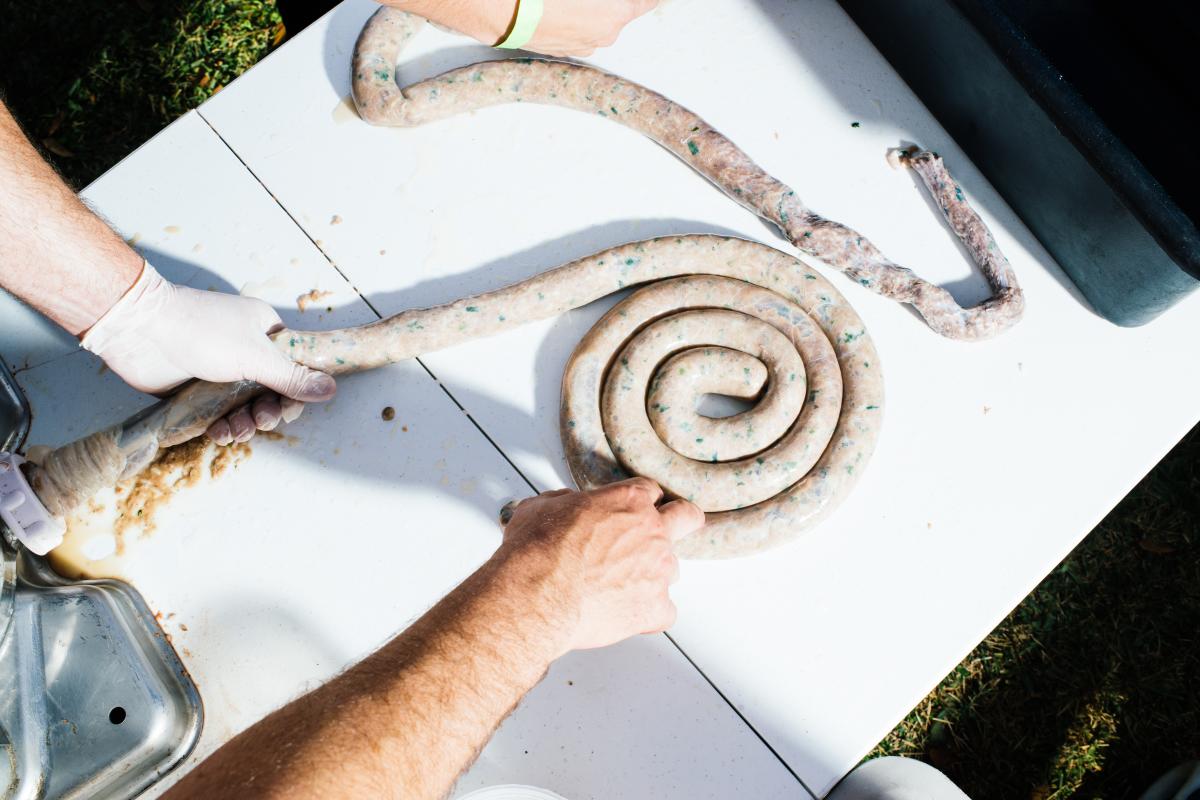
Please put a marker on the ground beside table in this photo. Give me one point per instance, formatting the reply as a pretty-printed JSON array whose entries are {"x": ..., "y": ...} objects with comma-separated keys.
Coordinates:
[
  {"x": 996, "y": 457},
  {"x": 304, "y": 556}
]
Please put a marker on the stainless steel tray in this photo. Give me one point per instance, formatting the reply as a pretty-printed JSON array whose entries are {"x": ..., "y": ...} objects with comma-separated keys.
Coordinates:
[{"x": 94, "y": 703}]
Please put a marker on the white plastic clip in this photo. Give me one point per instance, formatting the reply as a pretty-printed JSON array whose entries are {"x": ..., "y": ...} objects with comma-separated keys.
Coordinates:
[{"x": 27, "y": 519}]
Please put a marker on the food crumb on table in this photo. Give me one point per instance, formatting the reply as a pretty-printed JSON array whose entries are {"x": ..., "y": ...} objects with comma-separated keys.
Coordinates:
[
  {"x": 303, "y": 301},
  {"x": 174, "y": 468}
]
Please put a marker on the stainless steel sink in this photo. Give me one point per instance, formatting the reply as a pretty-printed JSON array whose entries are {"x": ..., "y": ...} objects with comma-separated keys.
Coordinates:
[{"x": 94, "y": 703}]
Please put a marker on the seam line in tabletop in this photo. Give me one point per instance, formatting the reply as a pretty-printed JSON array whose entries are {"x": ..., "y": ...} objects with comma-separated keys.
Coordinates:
[
  {"x": 290, "y": 216},
  {"x": 365, "y": 300},
  {"x": 487, "y": 437},
  {"x": 449, "y": 394},
  {"x": 490, "y": 440},
  {"x": 478, "y": 427},
  {"x": 740, "y": 716}
]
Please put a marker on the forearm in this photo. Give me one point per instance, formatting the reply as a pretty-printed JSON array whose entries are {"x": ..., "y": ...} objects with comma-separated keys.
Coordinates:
[
  {"x": 408, "y": 719},
  {"x": 479, "y": 19},
  {"x": 56, "y": 255}
]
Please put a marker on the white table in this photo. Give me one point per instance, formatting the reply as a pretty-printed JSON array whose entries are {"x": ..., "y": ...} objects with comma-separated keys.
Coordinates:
[
  {"x": 996, "y": 458},
  {"x": 319, "y": 547}
]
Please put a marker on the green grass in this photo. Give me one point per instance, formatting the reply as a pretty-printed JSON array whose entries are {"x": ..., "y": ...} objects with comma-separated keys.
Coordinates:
[
  {"x": 1089, "y": 689},
  {"x": 92, "y": 80}
]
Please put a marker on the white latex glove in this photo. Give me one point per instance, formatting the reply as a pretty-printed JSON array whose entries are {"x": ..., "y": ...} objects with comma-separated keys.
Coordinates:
[{"x": 159, "y": 335}]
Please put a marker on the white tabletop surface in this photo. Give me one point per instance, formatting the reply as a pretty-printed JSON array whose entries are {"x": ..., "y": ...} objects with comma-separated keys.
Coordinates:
[
  {"x": 995, "y": 458},
  {"x": 318, "y": 547}
]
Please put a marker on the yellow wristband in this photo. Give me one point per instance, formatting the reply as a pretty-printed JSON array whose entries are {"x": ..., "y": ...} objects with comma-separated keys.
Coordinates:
[{"x": 529, "y": 14}]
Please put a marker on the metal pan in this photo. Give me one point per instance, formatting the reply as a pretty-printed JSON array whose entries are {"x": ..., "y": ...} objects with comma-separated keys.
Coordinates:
[{"x": 94, "y": 702}]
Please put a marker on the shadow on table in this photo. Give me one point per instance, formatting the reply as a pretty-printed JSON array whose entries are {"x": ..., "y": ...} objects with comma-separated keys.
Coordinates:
[
  {"x": 497, "y": 417},
  {"x": 538, "y": 258},
  {"x": 237, "y": 626},
  {"x": 817, "y": 31},
  {"x": 491, "y": 414},
  {"x": 309, "y": 643},
  {"x": 359, "y": 462},
  {"x": 813, "y": 31}
]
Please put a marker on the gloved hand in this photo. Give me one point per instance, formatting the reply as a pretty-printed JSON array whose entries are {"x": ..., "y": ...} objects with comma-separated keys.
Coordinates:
[{"x": 159, "y": 335}]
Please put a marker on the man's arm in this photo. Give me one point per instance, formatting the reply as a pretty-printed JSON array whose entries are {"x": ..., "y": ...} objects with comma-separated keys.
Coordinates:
[
  {"x": 576, "y": 569},
  {"x": 567, "y": 28},
  {"x": 63, "y": 260},
  {"x": 58, "y": 256}
]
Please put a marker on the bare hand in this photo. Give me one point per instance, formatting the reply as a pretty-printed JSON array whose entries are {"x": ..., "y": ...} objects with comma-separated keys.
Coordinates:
[
  {"x": 608, "y": 553},
  {"x": 568, "y": 27},
  {"x": 578, "y": 27}
]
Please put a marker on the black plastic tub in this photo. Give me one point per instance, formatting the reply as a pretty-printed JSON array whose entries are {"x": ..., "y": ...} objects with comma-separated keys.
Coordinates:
[{"x": 1080, "y": 113}]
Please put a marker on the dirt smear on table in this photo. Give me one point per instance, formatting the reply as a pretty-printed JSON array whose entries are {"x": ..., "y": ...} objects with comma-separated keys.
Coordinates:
[
  {"x": 177, "y": 468},
  {"x": 97, "y": 539}
]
